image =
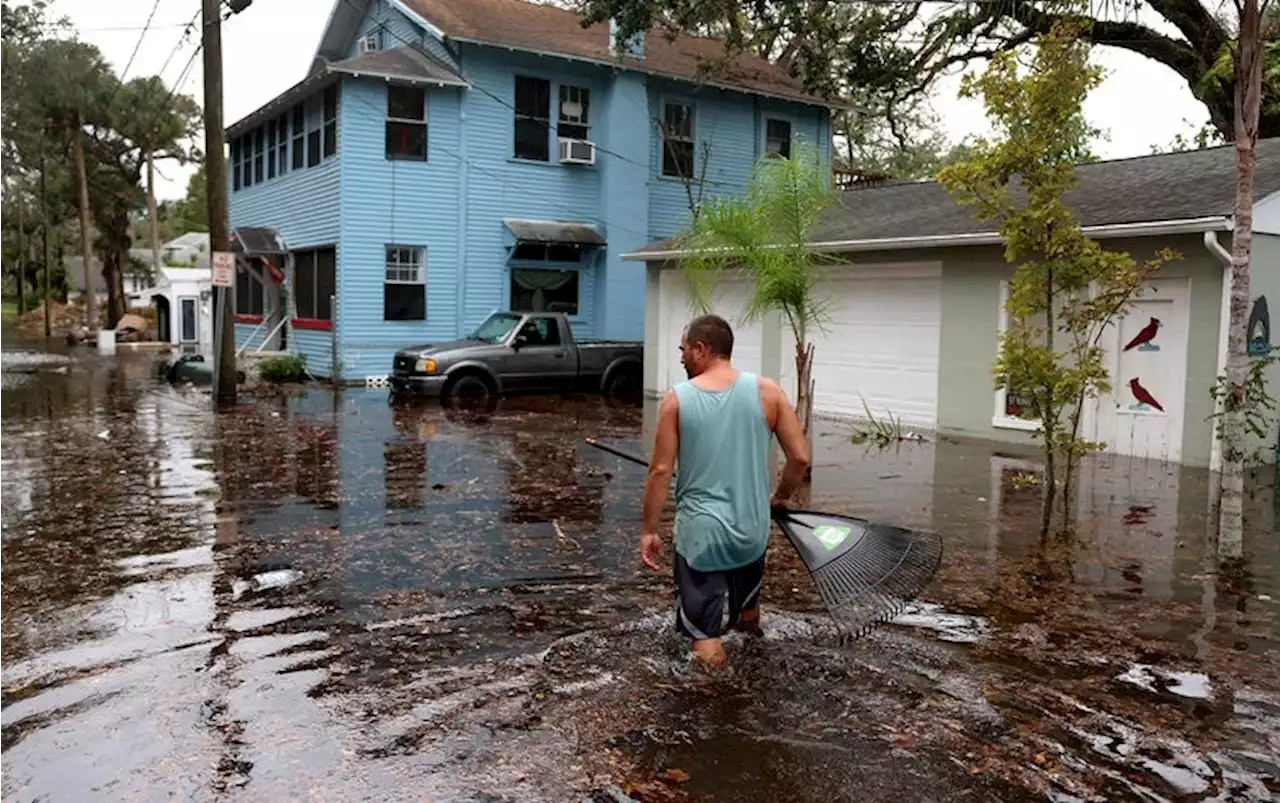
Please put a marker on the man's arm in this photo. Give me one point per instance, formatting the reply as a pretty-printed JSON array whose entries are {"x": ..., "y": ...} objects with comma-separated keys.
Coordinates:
[
  {"x": 794, "y": 446},
  {"x": 658, "y": 482}
]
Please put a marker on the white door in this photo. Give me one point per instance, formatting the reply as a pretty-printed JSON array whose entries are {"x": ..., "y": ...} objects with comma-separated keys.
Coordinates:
[
  {"x": 728, "y": 300},
  {"x": 1142, "y": 416},
  {"x": 881, "y": 343}
]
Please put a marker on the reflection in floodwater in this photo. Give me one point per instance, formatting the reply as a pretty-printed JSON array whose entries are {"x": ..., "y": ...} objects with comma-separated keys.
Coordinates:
[{"x": 325, "y": 597}]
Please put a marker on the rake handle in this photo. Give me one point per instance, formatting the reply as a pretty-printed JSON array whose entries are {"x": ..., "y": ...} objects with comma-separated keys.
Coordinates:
[{"x": 640, "y": 461}]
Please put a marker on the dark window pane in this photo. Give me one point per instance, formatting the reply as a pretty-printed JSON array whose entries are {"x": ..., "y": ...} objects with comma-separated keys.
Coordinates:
[
  {"x": 313, "y": 148},
  {"x": 330, "y": 139},
  {"x": 531, "y": 140},
  {"x": 259, "y": 138},
  {"x": 532, "y": 119},
  {"x": 284, "y": 144},
  {"x": 188, "y": 318},
  {"x": 777, "y": 138},
  {"x": 678, "y": 120},
  {"x": 330, "y": 103},
  {"x": 235, "y": 164},
  {"x": 677, "y": 159},
  {"x": 571, "y": 131},
  {"x": 535, "y": 290},
  {"x": 406, "y": 140},
  {"x": 540, "y": 332},
  {"x": 533, "y": 97},
  {"x": 557, "y": 252},
  {"x": 305, "y": 284},
  {"x": 406, "y": 103},
  {"x": 404, "y": 302},
  {"x": 325, "y": 282}
]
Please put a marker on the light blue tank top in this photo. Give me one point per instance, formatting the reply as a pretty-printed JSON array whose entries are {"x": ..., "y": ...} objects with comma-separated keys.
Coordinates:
[{"x": 722, "y": 475}]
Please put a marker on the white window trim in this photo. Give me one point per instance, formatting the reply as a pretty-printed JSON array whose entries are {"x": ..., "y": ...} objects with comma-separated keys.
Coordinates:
[
  {"x": 998, "y": 419},
  {"x": 692, "y": 139},
  {"x": 584, "y": 121},
  {"x": 417, "y": 265}
]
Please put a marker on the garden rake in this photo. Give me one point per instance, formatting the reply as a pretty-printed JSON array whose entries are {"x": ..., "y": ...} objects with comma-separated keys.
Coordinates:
[{"x": 866, "y": 573}]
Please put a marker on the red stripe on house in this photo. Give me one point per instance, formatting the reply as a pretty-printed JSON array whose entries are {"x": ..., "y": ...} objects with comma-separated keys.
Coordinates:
[
  {"x": 243, "y": 318},
  {"x": 313, "y": 323}
]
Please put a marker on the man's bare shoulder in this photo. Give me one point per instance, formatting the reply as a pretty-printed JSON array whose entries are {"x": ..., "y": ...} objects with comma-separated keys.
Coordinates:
[{"x": 771, "y": 391}]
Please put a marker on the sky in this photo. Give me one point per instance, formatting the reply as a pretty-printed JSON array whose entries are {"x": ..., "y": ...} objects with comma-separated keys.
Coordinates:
[{"x": 268, "y": 47}]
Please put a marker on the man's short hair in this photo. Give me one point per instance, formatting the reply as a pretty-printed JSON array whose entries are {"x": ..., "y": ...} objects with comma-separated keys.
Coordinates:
[{"x": 713, "y": 331}]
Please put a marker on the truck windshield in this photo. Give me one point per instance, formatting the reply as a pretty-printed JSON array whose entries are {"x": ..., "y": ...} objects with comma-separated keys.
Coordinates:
[{"x": 496, "y": 327}]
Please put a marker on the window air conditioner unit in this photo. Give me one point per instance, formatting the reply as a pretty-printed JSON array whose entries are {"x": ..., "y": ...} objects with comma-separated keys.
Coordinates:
[
  {"x": 577, "y": 152},
  {"x": 369, "y": 44}
]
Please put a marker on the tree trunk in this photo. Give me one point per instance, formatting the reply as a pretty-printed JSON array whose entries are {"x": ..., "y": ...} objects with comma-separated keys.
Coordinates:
[
  {"x": 1234, "y": 433},
  {"x": 77, "y": 146},
  {"x": 112, "y": 274},
  {"x": 804, "y": 397},
  {"x": 151, "y": 214}
]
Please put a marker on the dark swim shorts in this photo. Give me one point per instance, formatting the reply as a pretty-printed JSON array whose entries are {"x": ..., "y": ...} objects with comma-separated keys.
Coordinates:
[{"x": 700, "y": 597}]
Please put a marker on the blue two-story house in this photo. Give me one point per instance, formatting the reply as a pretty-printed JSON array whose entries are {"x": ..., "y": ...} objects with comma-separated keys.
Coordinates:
[{"x": 447, "y": 158}]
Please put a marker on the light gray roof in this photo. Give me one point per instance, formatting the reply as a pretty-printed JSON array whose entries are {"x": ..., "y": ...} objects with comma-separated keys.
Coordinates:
[
  {"x": 553, "y": 231},
  {"x": 1146, "y": 189}
]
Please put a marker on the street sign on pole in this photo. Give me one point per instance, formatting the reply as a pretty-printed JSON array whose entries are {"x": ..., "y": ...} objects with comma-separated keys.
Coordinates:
[{"x": 224, "y": 269}]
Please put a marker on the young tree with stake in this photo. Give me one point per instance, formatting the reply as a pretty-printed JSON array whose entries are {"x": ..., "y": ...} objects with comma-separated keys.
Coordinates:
[{"x": 1066, "y": 290}]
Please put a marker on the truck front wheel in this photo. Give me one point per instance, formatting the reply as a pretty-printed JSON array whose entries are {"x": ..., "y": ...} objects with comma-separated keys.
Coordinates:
[{"x": 470, "y": 392}]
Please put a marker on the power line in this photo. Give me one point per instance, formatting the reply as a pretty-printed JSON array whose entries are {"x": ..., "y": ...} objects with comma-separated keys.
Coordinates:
[
  {"x": 186, "y": 34},
  {"x": 138, "y": 44}
]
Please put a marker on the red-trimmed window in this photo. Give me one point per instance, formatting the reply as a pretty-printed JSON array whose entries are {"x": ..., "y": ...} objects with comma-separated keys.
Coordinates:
[
  {"x": 314, "y": 283},
  {"x": 406, "y": 123}
]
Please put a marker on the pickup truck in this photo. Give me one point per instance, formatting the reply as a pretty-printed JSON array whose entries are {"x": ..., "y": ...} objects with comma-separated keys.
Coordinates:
[{"x": 517, "y": 352}]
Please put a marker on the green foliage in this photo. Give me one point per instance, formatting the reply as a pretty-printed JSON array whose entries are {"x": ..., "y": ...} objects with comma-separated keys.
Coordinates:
[
  {"x": 1066, "y": 289},
  {"x": 765, "y": 232},
  {"x": 880, "y": 432},
  {"x": 1258, "y": 406},
  {"x": 290, "y": 368}
]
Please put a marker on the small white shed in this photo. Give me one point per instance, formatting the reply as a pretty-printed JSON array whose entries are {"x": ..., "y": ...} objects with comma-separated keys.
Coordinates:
[{"x": 183, "y": 299}]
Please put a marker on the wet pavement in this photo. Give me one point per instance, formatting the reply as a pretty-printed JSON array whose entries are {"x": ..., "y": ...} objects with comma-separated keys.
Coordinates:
[{"x": 321, "y": 597}]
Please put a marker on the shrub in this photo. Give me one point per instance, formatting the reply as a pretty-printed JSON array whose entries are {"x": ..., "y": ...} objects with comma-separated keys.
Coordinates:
[{"x": 283, "y": 369}]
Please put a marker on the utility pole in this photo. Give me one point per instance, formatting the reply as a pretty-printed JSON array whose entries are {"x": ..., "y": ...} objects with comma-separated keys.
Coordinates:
[
  {"x": 215, "y": 166},
  {"x": 48, "y": 261},
  {"x": 151, "y": 213}
]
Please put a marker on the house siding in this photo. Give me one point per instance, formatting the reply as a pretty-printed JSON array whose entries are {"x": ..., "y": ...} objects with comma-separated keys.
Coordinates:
[
  {"x": 970, "y": 339},
  {"x": 395, "y": 27},
  {"x": 734, "y": 126},
  {"x": 304, "y": 208},
  {"x": 395, "y": 202},
  {"x": 498, "y": 185}
]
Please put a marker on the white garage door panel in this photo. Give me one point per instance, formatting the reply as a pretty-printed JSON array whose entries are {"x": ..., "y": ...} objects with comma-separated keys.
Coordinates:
[
  {"x": 728, "y": 300},
  {"x": 880, "y": 344}
]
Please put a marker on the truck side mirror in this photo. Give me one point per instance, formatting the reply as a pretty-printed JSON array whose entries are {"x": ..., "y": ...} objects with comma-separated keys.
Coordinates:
[{"x": 520, "y": 341}]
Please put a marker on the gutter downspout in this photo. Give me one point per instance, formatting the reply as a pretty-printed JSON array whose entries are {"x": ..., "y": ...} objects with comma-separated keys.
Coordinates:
[{"x": 1223, "y": 256}]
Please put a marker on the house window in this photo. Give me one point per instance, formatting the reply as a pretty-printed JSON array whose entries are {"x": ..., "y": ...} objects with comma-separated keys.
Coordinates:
[
  {"x": 777, "y": 138},
  {"x": 313, "y": 134},
  {"x": 574, "y": 103},
  {"x": 548, "y": 252},
  {"x": 259, "y": 137},
  {"x": 406, "y": 123},
  {"x": 271, "y": 149},
  {"x": 235, "y": 164},
  {"x": 541, "y": 290},
  {"x": 189, "y": 332},
  {"x": 330, "y": 110},
  {"x": 1013, "y": 409},
  {"x": 246, "y": 160},
  {"x": 314, "y": 282},
  {"x": 404, "y": 291},
  {"x": 677, "y": 138},
  {"x": 283, "y": 126},
  {"x": 533, "y": 118},
  {"x": 249, "y": 290},
  {"x": 299, "y": 141}
]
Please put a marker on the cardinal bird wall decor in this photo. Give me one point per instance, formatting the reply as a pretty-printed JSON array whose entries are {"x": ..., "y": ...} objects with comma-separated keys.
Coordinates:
[
  {"x": 1143, "y": 395},
  {"x": 1143, "y": 339}
]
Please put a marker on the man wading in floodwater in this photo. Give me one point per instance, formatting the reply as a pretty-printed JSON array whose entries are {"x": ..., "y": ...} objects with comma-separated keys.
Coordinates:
[{"x": 716, "y": 428}]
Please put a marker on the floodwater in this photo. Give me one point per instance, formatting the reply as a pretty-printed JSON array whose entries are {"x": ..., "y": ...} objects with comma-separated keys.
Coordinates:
[{"x": 320, "y": 597}]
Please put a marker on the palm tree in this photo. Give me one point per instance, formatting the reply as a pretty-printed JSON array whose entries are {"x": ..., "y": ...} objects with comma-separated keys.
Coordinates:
[{"x": 765, "y": 234}]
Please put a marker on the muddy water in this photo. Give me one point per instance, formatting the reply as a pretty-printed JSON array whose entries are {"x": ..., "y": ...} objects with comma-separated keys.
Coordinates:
[{"x": 319, "y": 597}]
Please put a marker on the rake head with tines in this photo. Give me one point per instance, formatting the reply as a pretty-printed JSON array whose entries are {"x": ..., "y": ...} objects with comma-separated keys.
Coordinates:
[{"x": 866, "y": 573}]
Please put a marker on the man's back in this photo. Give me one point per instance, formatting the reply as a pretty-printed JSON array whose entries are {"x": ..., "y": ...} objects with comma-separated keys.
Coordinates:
[{"x": 722, "y": 473}]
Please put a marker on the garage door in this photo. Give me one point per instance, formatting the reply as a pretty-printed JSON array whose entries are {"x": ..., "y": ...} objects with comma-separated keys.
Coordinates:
[
  {"x": 729, "y": 300},
  {"x": 880, "y": 343}
]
